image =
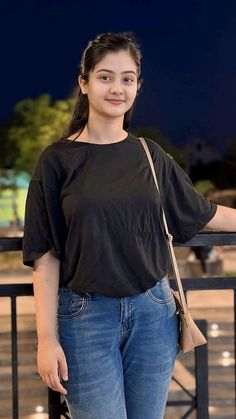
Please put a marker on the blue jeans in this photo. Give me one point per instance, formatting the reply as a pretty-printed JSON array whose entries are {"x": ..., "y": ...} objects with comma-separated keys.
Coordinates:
[{"x": 120, "y": 352}]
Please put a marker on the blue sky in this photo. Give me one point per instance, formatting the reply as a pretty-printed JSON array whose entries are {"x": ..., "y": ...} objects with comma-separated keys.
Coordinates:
[{"x": 189, "y": 62}]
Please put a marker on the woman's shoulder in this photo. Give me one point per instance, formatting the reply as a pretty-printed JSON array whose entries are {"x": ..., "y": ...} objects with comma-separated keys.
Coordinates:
[
  {"x": 55, "y": 153},
  {"x": 45, "y": 155},
  {"x": 157, "y": 151},
  {"x": 49, "y": 162}
]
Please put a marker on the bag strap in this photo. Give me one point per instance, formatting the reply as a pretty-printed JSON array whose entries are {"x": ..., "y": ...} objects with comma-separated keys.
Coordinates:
[{"x": 168, "y": 235}]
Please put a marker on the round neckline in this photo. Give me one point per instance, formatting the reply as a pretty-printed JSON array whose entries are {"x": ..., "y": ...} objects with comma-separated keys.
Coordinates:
[{"x": 68, "y": 141}]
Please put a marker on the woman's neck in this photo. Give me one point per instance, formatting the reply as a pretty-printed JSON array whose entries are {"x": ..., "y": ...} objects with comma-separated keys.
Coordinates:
[{"x": 101, "y": 133}]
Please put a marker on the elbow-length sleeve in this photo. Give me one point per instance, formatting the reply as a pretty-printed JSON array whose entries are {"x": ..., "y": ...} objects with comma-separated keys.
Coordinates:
[
  {"x": 187, "y": 211},
  {"x": 44, "y": 223}
]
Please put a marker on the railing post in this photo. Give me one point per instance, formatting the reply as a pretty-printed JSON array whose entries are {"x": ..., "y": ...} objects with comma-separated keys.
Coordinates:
[
  {"x": 14, "y": 360},
  {"x": 54, "y": 404},
  {"x": 201, "y": 374}
]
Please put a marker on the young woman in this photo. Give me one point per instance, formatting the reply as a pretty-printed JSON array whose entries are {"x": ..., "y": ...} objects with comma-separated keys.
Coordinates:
[{"x": 106, "y": 320}]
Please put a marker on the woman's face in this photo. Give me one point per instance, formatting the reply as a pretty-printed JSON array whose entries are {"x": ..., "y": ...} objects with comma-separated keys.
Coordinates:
[{"x": 112, "y": 85}]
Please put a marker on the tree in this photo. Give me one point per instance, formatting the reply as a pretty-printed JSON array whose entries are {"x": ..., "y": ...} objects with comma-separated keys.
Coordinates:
[
  {"x": 8, "y": 154},
  {"x": 34, "y": 124}
]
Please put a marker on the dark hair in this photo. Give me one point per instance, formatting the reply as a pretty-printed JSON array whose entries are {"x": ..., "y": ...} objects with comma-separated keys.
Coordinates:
[{"x": 94, "y": 52}]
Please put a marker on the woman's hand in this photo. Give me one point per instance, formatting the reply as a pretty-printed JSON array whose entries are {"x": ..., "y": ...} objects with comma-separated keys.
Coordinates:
[{"x": 52, "y": 365}]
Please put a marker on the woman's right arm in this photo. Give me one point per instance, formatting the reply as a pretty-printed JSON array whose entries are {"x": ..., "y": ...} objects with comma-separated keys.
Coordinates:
[{"x": 50, "y": 358}]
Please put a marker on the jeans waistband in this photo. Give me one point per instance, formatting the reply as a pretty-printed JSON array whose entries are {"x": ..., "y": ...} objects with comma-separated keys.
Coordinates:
[{"x": 64, "y": 289}]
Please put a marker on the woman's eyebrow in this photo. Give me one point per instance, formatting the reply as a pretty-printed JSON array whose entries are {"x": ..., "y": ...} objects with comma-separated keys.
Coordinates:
[{"x": 110, "y": 71}]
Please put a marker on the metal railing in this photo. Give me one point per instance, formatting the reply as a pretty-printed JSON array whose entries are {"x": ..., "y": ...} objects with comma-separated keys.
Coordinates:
[{"x": 199, "y": 400}]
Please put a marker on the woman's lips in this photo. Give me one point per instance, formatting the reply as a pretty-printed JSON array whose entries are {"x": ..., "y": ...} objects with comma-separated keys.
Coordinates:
[{"x": 115, "y": 101}]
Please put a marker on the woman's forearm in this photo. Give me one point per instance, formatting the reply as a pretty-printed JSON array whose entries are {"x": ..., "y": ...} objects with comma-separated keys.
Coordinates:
[
  {"x": 223, "y": 220},
  {"x": 45, "y": 283}
]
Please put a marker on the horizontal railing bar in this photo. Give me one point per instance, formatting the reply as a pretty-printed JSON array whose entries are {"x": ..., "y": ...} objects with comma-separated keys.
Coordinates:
[
  {"x": 206, "y": 284},
  {"x": 8, "y": 244},
  {"x": 189, "y": 284},
  {"x": 181, "y": 403},
  {"x": 16, "y": 290},
  {"x": 215, "y": 238}
]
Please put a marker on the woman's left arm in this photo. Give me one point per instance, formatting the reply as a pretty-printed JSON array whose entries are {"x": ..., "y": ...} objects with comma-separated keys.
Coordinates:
[{"x": 223, "y": 220}]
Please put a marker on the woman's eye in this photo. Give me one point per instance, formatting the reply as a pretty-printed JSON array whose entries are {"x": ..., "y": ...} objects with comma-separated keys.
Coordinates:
[
  {"x": 104, "y": 77},
  {"x": 128, "y": 80}
]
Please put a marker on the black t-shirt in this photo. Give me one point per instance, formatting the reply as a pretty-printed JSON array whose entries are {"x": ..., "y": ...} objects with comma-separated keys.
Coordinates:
[{"x": 97, "y": 208}]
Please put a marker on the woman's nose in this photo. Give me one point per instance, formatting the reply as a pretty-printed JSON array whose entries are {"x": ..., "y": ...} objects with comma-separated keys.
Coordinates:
[{"x": 117, "y": 87}]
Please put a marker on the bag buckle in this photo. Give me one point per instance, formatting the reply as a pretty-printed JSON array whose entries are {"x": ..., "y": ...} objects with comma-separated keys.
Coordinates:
[{"x": 170, "y": 237}]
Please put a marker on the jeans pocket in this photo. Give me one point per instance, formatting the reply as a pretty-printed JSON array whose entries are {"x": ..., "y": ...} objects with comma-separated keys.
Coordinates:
[
  {"x": 71, "y": 304},
  {"x": 161, "y": 293}
]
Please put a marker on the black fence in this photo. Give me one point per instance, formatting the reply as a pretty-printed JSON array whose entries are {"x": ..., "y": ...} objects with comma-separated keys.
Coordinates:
[{"x": 197, "y": 401}]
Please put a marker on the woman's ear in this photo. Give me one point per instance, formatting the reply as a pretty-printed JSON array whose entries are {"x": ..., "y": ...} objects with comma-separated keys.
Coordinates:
[
  {"x": 139, "y": 85},
  {"x": 82, "y": 84}
]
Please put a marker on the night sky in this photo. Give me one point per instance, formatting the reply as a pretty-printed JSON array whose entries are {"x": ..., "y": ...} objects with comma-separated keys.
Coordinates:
[{"x": 189, "y": 60}]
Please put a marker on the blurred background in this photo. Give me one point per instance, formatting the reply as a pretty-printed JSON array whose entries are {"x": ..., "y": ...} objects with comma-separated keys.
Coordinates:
[{"x": 187, "y": 104}]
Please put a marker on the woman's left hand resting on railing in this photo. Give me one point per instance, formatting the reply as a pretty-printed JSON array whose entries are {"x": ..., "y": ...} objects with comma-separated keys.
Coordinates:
[{"x": 223, "y": 220}]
